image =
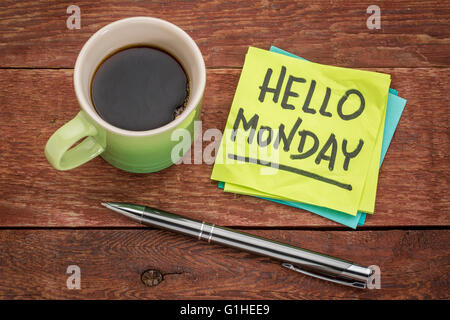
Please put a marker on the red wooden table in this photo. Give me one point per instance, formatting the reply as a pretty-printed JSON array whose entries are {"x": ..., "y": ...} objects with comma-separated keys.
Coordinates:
[{"x": 50, "y": 219}]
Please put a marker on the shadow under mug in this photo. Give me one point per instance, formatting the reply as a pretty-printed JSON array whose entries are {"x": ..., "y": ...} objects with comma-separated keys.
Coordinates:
[{"x": 134, "y": 151}]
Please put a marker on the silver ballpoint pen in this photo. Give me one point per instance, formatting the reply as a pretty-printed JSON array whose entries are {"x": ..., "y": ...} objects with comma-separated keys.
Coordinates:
[{"x": 301, "y": 260}]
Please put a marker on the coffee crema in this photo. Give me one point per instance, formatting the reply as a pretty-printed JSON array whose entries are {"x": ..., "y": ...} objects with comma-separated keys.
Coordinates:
[{"x": 139, "y": 88}]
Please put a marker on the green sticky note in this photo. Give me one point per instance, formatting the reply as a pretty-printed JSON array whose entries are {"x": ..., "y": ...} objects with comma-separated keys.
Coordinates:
[
  {"x": 338, "y": 113},
  {"x": 395, "y": 106}
]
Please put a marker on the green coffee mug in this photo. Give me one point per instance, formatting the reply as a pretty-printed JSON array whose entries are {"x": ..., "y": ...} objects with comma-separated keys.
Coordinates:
[{"x": 135, "y": 151}]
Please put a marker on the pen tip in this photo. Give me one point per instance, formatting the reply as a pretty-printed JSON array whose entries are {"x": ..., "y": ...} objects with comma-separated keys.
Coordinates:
[{"x": 111, "y": 205}]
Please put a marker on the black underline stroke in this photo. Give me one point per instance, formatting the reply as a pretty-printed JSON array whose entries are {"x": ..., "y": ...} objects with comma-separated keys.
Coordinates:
[{"x": 291, "y": 169}]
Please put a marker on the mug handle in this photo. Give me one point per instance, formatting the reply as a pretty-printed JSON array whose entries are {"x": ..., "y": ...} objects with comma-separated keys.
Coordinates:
[{"x": 58, "y": 151}]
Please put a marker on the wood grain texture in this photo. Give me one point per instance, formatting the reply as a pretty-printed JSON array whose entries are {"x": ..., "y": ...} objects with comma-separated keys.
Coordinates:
[
  {"x": 414, "y": 33},
  {"x": 413, "y": 190},
  {"x": 33, "y": 264}
]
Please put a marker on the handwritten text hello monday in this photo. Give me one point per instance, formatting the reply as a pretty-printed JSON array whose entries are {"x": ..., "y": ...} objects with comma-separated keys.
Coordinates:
[{"x": 323, "y": 151}]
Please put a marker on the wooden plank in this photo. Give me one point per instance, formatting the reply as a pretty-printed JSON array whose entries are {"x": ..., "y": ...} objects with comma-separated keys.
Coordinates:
[
  {"x": 413, "y": 33},
  {"x": 413, "y": 187},
  {"x": 33, "y": 265}
]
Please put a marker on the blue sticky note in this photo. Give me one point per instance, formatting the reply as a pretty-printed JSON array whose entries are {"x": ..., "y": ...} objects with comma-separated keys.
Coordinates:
[
  {"x": 394, "y": 109},
  {"x": 395, "y": 106}
]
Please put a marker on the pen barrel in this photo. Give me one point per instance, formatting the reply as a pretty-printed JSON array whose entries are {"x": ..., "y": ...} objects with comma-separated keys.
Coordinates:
[{"x": 302, "y": 258}]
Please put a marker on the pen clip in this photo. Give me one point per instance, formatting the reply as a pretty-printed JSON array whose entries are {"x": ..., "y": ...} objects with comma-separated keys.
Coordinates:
[{"x": 345, "y": 282}]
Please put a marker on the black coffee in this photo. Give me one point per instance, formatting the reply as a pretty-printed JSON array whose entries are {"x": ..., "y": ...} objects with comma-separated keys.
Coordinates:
[{"x": 139, "y": 88}]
